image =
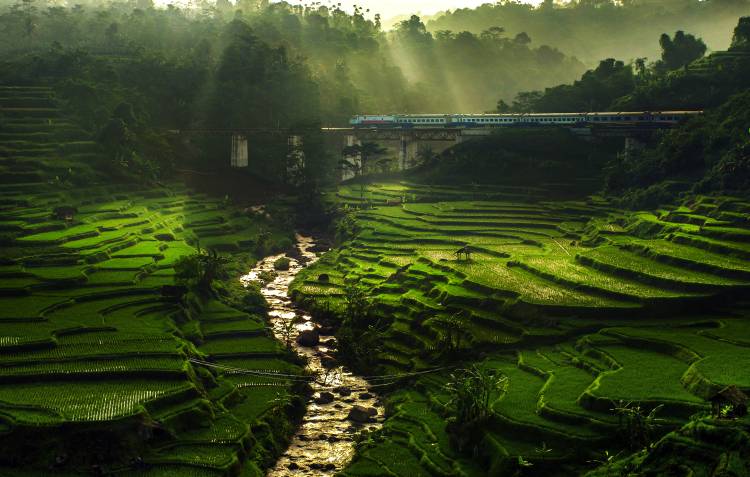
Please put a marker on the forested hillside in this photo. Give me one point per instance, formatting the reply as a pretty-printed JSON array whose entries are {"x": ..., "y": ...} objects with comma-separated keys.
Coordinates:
[
  {"x": 594, "y": 29},
  {"x": 706, "y": 154}
]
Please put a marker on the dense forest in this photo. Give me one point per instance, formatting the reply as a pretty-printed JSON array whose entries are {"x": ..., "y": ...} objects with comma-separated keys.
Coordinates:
[{"x": 594, "y": 29}]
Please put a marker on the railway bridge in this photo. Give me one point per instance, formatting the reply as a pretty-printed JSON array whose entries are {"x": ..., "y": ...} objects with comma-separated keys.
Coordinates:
[{"x": 405, "y": 135}]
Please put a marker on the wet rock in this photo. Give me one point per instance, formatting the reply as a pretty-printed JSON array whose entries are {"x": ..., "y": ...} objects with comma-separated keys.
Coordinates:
[
  {"x": 349, "y": 401},
  {"x": 326, "y": 331},
  {"x": 365, "y": 396},
  {"x": 320, "y": 247},
  {"x": 328, "y": 362},
  {"x": 323, "y": 437},
  {"x": 361, "y": 414},
  {"x": 324, "y": 398},
  {"x": 343, "y": 391},
  {"x": 333, "y": 439},
  {"x": 338, "y": 406},
  {"x": 329, "y": 467},
  {"x": 329, "y": 343},
  {"x": 292, "y": 466},
  {"x": 308, "y": 338}
]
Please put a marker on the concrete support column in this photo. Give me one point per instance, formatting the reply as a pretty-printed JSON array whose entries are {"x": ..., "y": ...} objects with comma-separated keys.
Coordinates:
[
  {"x": 351, "y": 140},
  {"x": 239, "y": 158},
  {"x": 295, "y": 161},
  {"x": 403, "y": 152}
]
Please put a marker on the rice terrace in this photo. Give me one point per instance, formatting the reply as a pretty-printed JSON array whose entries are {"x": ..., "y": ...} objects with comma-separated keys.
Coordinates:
[{"x": 281, "y": 239}]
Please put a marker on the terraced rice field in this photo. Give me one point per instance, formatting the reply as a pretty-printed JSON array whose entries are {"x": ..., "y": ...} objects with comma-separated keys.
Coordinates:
[
  {"x": 581, "y": 306},
  {"x": 90, "y": 338}
]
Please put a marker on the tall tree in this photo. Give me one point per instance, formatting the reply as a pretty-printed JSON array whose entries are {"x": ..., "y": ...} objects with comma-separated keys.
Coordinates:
[
  {"x": 741, "y": 38},
  {"x": 679, "y": 51}
]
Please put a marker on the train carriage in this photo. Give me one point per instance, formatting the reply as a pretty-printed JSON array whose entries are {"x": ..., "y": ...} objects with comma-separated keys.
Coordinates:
[{"x": 421, "y": 121}]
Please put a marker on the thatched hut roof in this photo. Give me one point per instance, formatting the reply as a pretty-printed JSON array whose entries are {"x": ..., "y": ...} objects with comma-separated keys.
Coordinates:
[{"x": 731, "y": 395}]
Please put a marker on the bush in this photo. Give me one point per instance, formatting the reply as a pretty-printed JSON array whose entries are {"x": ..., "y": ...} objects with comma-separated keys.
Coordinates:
[
  {"x": 472, "y": 393},
  {"x": 198, "y": 271},
  {"x": 649, "y": 198},
  {"x": 253, "y": 301},
  {"x": 282, "y": 264}
]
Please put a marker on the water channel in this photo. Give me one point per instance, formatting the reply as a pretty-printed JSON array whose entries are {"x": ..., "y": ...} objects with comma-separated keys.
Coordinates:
[{"x": 324, "y": 443}]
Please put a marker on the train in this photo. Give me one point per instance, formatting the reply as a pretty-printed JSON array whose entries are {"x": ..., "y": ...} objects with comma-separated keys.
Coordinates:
[{"x": 407, "y": 121}]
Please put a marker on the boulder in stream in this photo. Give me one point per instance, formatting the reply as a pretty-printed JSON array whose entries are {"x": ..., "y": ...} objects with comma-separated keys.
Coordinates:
[
  {"x": 362, "y": 414},
  {"x": 328, "y": 362},
  {"x": 324, "y": 398},
  {"x": 308, "y": 338},
  {"x": 343, "y": 390}
]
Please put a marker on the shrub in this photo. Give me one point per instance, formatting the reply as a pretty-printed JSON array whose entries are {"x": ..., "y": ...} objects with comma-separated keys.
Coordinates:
[
  {"x": 198, "y": 271},
  {"x": 253, "y": 301},
  {"x": 649, "y": 198},
  {"x": 472, "y": 392},
  {"x": 360, "y": 334},
  {"x": 282, "y": 263}
]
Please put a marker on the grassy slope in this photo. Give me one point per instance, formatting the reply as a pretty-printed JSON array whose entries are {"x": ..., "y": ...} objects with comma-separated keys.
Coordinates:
[{"x": 580, "y": 305}]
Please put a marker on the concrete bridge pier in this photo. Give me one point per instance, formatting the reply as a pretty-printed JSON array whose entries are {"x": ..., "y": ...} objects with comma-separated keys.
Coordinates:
[
  {"x": 349, "y": 141},
  {"x": 295, "y": 161},
  {"x": 402, "y": 152},
  {"x": 408, "y": 150},
  {"x": 459, "y": 138},
  {"x": 239, "y": 157}
]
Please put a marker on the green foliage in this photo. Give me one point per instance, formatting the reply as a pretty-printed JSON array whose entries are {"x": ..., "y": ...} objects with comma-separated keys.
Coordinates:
[
  {"x": 595, "y": 91},
  {"x": 741, "y": 37},
  {"x": 525, "y": 157},
  {"x": 200, "y": 270},
  {"x": 679, "y": 51},
  {"x": 472, "y": 392},
  {"x": 346, "y": 228},
  {"x": 591, "y": 30},
  {"x": 359, "y": 335},
  {"x": 713, "y": 148},
  {"x": 637, "y": 426},
  {"x": 281, "y": 263}
]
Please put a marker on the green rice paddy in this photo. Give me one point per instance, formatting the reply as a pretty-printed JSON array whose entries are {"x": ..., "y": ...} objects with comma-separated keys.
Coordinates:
[
  {"x": 88, "y": 340},
  {"x": 582, "y": 307}
]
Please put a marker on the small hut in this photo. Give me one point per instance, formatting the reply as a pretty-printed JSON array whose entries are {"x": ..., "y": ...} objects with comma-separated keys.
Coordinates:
[
  {"x": 730, "y": 402},
  {"x": 466, "y": 251},
  {"x": 64, "y": 212}
]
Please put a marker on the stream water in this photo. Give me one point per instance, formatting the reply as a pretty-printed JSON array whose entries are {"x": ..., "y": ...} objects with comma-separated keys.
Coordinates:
[{"x": 324, "y": 443}]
